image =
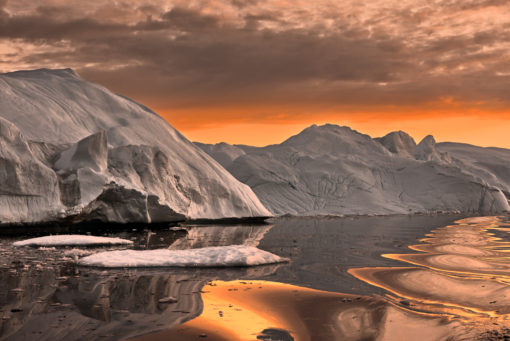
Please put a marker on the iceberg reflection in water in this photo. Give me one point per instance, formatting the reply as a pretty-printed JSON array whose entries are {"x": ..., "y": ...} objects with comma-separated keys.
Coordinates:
[{"x": 44, "y": 295}]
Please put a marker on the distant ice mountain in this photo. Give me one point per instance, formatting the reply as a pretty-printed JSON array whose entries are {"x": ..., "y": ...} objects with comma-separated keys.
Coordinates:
[
  {"x": 73, "y": 149},
  {"x": 333, "y": 170}
]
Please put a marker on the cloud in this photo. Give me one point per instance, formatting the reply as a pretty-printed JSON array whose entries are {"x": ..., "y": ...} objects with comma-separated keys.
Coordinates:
[{"x": 346, "y": 56}]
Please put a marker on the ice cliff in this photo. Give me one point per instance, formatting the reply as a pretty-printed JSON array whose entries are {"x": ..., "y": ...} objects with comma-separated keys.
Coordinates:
[
  {"x": 333, "y": 170},
  {"x": 70, "y": 149}
]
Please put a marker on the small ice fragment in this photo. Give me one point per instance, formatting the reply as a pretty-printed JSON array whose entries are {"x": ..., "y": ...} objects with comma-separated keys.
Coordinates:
[{"x": 72, "y": 239}]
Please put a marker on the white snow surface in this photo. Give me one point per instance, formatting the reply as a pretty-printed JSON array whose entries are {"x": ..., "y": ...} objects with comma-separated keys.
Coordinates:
[
  {"x": 72, "y": 240},
  {"x": 333, "y": 170},
  {"x": 218, "y": 256},
  {"x": 73, "y": 148},
  {"x": 488, "y": 163}
]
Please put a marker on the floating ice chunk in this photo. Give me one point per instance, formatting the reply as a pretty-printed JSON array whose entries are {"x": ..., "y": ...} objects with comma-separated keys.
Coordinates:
[
  {"x": 72, "y": 239},
  {"x": 218, "y": 256}
]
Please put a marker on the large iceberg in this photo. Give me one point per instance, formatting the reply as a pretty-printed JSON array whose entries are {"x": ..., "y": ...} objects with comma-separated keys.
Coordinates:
[
  {"x": 333, "y": 170},
  {"x": 72, "y": 149}
]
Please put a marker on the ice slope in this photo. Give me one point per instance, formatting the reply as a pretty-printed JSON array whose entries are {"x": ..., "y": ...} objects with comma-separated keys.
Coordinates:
[
  {"x": 490, "y": 164},
  {"x": 335, "y": 170},
  {"x": 222, "y": 152},
  {"x": 71, "y": 148},
  {"x": 27, "y": 185}
]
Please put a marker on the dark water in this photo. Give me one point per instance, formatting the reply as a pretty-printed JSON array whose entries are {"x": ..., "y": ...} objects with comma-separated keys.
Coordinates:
[{"x": 45, "y": 296}]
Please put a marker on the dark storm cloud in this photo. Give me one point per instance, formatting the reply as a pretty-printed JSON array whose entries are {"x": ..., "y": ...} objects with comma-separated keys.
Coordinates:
[{"x": 188, "y": 56}]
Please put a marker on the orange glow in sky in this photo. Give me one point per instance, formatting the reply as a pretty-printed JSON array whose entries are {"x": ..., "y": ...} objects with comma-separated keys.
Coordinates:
[
  {"x": 256, "y": 72},
  {"x": 478, "y": 129}
]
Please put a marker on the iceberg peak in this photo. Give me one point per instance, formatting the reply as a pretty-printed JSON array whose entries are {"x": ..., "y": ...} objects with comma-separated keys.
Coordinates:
[
  {"x": 43, "y": 72},
  {"x": 399, "y": 143},
  {"x": 426, "y": 151}
]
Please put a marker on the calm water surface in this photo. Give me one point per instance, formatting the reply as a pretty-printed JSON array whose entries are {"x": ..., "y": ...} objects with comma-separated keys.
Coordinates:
[{"x": 45, "y": 296}]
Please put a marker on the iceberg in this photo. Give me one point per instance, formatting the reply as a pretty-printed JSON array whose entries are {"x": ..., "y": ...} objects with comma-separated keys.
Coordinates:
[
  {"x": 333, "y": 170},
  {"x": 72, "y": 150}
]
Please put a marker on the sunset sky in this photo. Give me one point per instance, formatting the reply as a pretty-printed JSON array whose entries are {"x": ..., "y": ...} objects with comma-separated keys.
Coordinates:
[{"x": 257, "y": 71}]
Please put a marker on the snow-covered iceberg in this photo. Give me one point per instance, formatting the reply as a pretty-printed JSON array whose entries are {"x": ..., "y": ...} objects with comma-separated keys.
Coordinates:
[
  {"x": 335, "y": 170},
  {"x": 490, "y": 164},
  {"x": 72, "y": 149},
  {"x": 72, "y": 240},
  {"x": 217, "y": 256}
]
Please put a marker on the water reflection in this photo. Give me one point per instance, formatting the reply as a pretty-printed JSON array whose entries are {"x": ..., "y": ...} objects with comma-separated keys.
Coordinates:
[
  {"x": 463, "y": 271},
  {"x": 43, "y": 294},
  {"x": 456, "y": 288},
  {"x": 457, "y": 274},
  {"x": 82, "y": 304},
  {"x": 262, "y": 310},
  {"x": 205, "y": 236}
]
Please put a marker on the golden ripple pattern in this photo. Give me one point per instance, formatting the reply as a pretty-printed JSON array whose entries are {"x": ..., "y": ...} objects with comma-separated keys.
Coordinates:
[{"x": 462, "y": 270}]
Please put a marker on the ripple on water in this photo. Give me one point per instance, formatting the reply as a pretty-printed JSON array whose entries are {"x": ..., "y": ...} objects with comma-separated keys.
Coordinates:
[{"x": 462, "y": 270}]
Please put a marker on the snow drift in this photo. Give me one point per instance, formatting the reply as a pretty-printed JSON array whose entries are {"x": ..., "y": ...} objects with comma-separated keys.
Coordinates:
[
  {"x": 70, "y": 148},
  {"x": 335, "y": 170}
]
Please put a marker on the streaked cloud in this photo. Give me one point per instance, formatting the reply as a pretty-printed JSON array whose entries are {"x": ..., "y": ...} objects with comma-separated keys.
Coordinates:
[{"x": 255, "y": 60}]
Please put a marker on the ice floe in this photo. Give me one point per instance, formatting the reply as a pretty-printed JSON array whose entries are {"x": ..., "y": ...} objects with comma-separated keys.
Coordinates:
[
  {"x": 218, "y": 256},
  {"x": 72, "y": 240}
]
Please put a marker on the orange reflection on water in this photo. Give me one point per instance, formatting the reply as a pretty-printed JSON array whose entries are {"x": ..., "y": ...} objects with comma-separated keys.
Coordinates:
[
  {"x": 458, "y": 287},
  {"x": 463, "y": 271},
  {"x": 240, "y": 310},
  {"x": 226, "y": 304}
]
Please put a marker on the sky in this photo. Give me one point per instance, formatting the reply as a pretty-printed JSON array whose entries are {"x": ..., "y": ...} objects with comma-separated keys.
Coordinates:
[{"x": 257, "y": 71}]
